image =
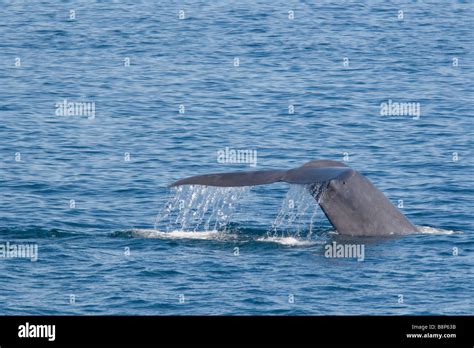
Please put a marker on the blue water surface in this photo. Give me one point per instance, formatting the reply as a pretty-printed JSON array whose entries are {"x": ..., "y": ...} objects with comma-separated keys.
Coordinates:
[{"x": 243, "y": 75}]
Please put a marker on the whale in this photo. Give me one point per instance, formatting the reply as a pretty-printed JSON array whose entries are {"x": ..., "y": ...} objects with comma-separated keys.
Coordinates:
[{"x": 351, "y": 203}]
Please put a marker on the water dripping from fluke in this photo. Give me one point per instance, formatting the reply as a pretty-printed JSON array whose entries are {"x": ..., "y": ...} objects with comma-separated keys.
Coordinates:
[
  {"x": 206, "y": 212},
  {"x": 197, "y": 208},
  {"x": 295, "y": 221}
]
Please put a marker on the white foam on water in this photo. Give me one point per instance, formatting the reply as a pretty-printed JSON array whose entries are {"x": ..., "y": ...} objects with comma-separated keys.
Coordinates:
[
  {"x": 204, "y": 235},
  {"x": 217, "y": 235},
  {"x": 288, "y": 241},
  {"x": 432, "y": 230}
]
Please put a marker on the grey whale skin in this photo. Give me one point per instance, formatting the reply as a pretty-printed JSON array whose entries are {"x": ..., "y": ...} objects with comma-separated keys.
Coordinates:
[{"x": 352, "y": 204}]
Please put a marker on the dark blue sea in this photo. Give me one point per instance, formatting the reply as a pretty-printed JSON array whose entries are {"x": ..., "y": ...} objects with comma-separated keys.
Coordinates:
[{"x": 167, "y": 85}]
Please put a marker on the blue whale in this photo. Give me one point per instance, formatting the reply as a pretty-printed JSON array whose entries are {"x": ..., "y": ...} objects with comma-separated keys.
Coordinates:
[{"x": 352, "y": 204}]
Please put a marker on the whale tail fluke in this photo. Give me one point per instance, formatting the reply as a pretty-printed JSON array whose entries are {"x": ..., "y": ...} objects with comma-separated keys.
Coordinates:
[
  {"x": 352, "y": 204},
  {"x": 309, "y": 173},
  {"x": 234, "y": 179}
]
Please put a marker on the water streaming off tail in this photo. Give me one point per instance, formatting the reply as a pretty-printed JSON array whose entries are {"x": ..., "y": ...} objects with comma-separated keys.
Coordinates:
[
  {"x": 298, "y": 212},
  {"x": 200, "y": 208}
]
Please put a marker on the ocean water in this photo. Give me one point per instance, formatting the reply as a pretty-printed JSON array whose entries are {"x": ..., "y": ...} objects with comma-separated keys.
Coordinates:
[{"x": 90, "y": 190}]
